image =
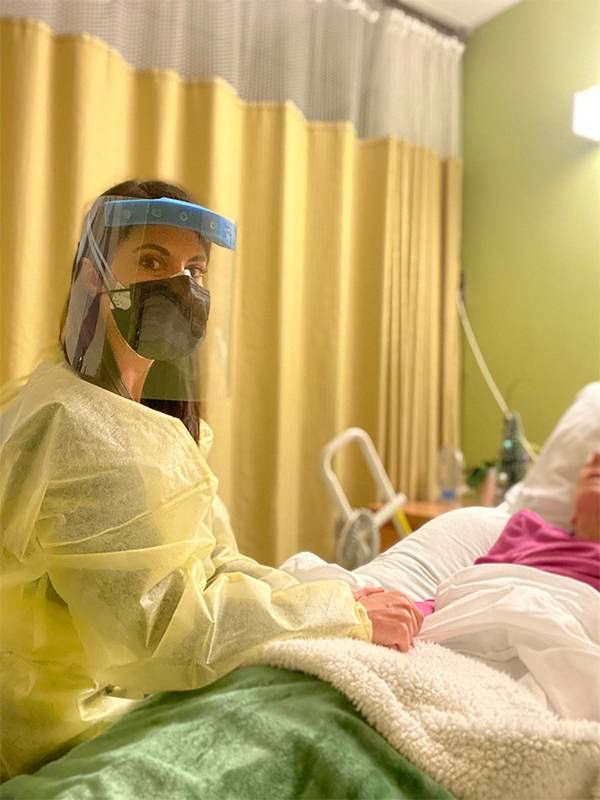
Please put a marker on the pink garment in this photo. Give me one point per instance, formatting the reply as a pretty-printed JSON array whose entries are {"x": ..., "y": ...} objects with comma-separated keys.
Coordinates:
[
  {"x": 426, "y": 607},
  {"x": 529, "y": 540}
]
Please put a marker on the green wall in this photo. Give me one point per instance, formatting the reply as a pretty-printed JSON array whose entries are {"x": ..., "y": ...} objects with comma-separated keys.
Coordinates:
[{"x": 531, "y": 234}]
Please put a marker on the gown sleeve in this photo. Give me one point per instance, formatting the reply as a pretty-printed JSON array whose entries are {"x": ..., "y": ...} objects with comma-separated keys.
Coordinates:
[{"x": 159, "y": 595}]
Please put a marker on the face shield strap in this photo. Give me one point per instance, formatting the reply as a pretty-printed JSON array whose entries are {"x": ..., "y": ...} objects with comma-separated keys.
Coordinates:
[
  {"x": 176, "y": 213},
  {"x": 102, "y": 267},
  {"x": 165, "y": 211}
]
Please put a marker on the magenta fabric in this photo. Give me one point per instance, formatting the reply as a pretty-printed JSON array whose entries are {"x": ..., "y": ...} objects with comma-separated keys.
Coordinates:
[
  {"x": 426, "y": 607},
  {"x": 527, "y": 539}
]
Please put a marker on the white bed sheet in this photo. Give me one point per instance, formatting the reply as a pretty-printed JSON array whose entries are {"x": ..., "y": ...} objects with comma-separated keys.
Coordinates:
[{"x": 541, "y": 629}]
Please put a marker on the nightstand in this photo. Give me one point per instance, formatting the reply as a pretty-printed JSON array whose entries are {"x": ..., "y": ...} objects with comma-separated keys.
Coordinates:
[{"x": 417, "y": 512}]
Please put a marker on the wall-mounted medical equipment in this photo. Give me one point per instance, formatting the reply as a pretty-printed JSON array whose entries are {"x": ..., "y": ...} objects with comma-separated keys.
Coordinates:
[
  {"x": 358, "y": 540},
  {"x": 516, "y": 451},
  {"x": 513, "y": 459}
]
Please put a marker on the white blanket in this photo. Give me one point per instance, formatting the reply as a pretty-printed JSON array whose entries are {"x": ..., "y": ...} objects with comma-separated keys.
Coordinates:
[
  {"x": 471, "y": 727},
  {"x": 541, "y": 628}
]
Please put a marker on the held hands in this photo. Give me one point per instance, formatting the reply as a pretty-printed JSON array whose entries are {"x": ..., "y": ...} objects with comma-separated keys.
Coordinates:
[{"x": 395, "y": 618}]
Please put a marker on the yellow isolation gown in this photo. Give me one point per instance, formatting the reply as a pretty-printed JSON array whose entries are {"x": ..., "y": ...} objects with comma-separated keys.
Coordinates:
[{"x": 119, "y": 574}]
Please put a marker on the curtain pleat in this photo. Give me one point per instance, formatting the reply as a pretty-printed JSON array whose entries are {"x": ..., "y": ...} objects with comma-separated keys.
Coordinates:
[{"x": 345, "y": 273}]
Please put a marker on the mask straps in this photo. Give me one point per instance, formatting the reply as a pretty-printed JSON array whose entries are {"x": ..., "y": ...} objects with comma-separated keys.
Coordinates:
[
  {"x": 119, "y": 296},
  {"x": 103, "y": 269}
]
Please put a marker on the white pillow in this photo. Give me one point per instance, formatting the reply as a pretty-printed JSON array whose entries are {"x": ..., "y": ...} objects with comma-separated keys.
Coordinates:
[
  {"x": 436, "y": 551},
  {"x": 419, "y": 563},
  {"x": 549, "y": 488}
]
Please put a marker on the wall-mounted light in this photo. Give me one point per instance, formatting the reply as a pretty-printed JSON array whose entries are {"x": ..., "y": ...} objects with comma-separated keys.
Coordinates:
[{"x": 586, "y": 113}]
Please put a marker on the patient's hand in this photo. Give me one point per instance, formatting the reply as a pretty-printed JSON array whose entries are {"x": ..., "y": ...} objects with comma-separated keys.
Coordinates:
[{"x": 395, "y": 618}]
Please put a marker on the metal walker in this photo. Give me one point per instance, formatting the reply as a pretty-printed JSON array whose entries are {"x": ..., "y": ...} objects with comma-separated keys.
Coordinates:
[{"x": 358, "y": 540}]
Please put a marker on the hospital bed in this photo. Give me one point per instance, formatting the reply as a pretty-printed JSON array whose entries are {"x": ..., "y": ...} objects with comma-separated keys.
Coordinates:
[{"x": 263, "y": 732}]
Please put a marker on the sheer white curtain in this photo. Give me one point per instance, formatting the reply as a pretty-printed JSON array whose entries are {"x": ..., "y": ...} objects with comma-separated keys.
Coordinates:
[{"x": 364, "y": 62}]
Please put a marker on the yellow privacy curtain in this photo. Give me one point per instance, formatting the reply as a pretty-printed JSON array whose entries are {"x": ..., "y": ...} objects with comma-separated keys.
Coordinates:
[{"x": 345, "y": 274}]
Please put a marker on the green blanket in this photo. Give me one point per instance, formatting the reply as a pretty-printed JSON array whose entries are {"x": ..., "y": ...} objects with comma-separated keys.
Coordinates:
[{"x": 257, "y": 733}]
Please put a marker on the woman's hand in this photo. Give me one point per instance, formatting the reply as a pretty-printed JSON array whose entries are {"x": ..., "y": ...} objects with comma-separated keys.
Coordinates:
[{"x": 395, "y": 618}]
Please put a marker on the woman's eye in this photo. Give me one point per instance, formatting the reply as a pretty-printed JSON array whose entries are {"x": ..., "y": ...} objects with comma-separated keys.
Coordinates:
[
  {"x": 198, "y": 272},
  {"x": 151, "y": 264}
]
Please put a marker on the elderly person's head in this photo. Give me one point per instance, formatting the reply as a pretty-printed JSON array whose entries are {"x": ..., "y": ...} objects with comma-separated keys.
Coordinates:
[{"x": 586, "y": 517}]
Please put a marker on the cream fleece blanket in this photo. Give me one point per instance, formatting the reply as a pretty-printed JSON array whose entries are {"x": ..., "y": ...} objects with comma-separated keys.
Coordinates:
[
  {"x": 540, "y": 628},
  {"x": 474, "y": 729},
  {"x": 464, "y": 719}
]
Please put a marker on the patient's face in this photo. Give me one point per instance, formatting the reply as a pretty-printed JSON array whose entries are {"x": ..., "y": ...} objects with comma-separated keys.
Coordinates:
[{"x": 586, "y": 519}]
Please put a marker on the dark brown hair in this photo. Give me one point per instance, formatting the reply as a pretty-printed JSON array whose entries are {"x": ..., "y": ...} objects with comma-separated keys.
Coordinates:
[{"x": 186, "y": 410}]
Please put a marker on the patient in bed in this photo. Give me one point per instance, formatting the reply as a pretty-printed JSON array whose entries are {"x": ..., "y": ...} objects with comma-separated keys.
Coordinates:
[
  {"x": 551, "y": 521},
  {"x": 529, "y": 540}
]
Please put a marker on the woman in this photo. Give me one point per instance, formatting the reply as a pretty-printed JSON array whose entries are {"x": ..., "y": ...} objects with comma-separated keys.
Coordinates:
[{"x": 120, "y": 574}]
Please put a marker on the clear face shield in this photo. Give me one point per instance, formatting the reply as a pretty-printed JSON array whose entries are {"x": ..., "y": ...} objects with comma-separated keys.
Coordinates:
[{"x": 149, "y": 312}]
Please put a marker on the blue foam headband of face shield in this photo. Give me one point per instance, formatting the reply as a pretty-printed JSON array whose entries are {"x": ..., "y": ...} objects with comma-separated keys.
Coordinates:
[{"x": 166, "y": 211}]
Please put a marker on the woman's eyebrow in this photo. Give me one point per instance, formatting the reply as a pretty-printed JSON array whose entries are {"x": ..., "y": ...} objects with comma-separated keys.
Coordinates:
[
  {"x": 165, "y": 252},
  {"x": 160, "y": 249}
]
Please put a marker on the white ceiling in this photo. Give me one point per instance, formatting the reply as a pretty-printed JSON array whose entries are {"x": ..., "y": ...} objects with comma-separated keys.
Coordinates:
[{"x": 460, "y": 14}]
